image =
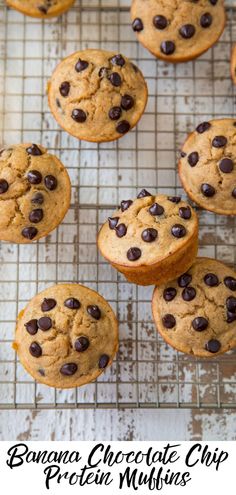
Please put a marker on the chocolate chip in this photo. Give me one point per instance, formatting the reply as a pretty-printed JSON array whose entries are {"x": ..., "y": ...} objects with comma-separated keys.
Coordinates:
[
  {"x": 32, "y": 326},
  {"x": 183, "y": 154},
  {"x": 115, "y": 113},
  {"x": 68, "y": 369},
  {"x": 94, "y": 311},
  {"x": 34, "y": 177},
  {"x": 208, "y": 190},
  {"x": 160, "y": 22},
  {"x": 113, "y": 221},
  {"x": 169, "y": 293},
  {"x": 143, "y": 194},
  {"x": 231, "y": 304},
  {"x": 168, "y": 47},
  {"x": 199, "y": 324},
  {"x": 156, "y": 209},
  {"x": 50, "y": 182},
  {"x": 213, "y": 346},
  {"x": 45, "y": 323},
  {"x": 103, "y": 361},
  {"x": 234, "y": 193},
  {"x": 230, "y": 283},
  {"x": 127, "y": 102},
  {"x": 184, "y": 280},
  {"x": 81, "y": 344},
  {"x": 178, "y": 230},
  {"x": 188, "y": 294},
  {"x": 115, "y": 79},
  {"x": 185, "y": 212},
  {"x": 213, "y": 2},
  {"x": 203, "y": 127},
  {"x": 231, "y": 317},
  {"x": 48, "y": 304},
  {"x": 118, "y": 60},
  {"x": 226, "y": 165},
  {"x": 79, "y": 115},
  {"x": 206, "y": 20},
  {"x": 193, "y": 158},
  {"x": 29, "y": 232},
  {"x": 81, "y": 65},
  {"x": 64, "y": 89},
  {"x": 149, "y": 235},
  {"x": 211, "y": 280},
  {"x": 121, "y": 230},
  {"x": 41, "y": 372},
  {"x": 72, "y": 303},
  {"x": 137, "y": 25},
  {"x": 35, "y": 349},
  {"x": 125, "y": 204},
  {"x": 123, "y": 127},
  {"x": 187, "y": 31},
  {"x": 3, "y": 186},
  {"x": 34, "y": 150},
  {"x": 174, "y": 199},
  {"x": 134, "y": 253},
  {"x": 37, "y": 199},
  {"x": 43, "y": 9},
  {"x": 169, "y": 321},
  {"x": 36, "y": 216},
  {"x": 219, "y": 141}
]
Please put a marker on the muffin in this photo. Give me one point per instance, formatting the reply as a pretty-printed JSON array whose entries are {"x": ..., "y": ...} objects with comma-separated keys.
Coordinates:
[
  {"x": 33, "y": 185},
  {"x": 151, "y": 239},
  {"x": 97, "y": 95},
  {"x": 178, "y": 30},
  {"x": 41, "y": 8},
  {"x": 207, "y": 166},
  {"x": 66, "y": 336},
  {"x": 196, "y": 313},
  {"x": 233, "y": 64}
]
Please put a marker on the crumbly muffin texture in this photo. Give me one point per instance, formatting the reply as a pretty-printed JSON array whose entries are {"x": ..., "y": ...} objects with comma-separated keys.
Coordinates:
[
  {"x": 178, "y": 30},
  {"x": 207, "y": 166},
  {"x": 41, "y": 8},
  {"x": 66, "y": 336},
  {"x": 97, "y": 95},
  {"x": 33, "y": 184},
  {"x": 196, "y": 314}
]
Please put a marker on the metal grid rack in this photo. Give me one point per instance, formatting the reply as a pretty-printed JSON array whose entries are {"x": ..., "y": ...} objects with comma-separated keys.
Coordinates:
[{"x": 147, "y": 373}]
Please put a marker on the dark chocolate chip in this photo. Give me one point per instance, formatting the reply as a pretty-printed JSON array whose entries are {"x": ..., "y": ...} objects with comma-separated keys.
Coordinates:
[
  {"x": 167, "y": 47},
  {"x": 160, "y": 21},
  {"x": 234, "y": 193},
  {"x": 174, "y": 199},
  {"x": 3, "y": 186},
  {"x": 115, "y": 113},
  {"x": 50, "y": 182},
  {"x": 127, "y": 102},
  {"x": 121, "y": 230},
  {"x": 203, "y": 127},
  {"x": 125, "y": 204},
  {"x": 34, "y": 177},
  {"x": 213, "y": 346},
  {"x": 29, "y": 232},
  {"x": 94, "y": 311},
  {"x": 45, "y": 323},
  {"x": 103, "y": 361},
  {"x": 230, "y": 283},
  {"x": 79, "y": 115},
  {"x": 35, "y": 349},
  {"x": 231, "y": 304},
  {"x": 41, "y": 372},
  {"x": 137, "y": 25},
  {"x": 32, "y": 326},
  {"x": 36, "y": 216},
  {"x": 48, "y": 304},
  {"x": 200, "y": 323},
  {"x": 34, "y": 150},
  {"x": 118, "y": 60},
  {"x": 231, "y": 317},
  {"x": 149, "y": 235},
  {"x": 169, "y": 293},
  {"x": 219, "y": 141},
  {"x": 188, "y": 294},
  {"x": 169, "y": 321},
  {"x": 187, "y": 31},
  {"x": 208, "y": 190},
  {"x": 113, "y": 221},
  {"x": 206, "y": 20},
  {"x": 185, "y": 212},
  {"x": 213, "y": 2},
  {"x": 81, "y": 65},
  {"x": 211, "y": 280},
  {"x": 37, "y": 199},
  {"x": 115, "y": 79},
  {"x": 123, "y": 127},
  {"x": 156, "y": 209},
  {"x": 64, "y": 89},
  {"x": 184, "y": 280},
  {"x": 81, "y": 344},
  {"x": 68, "y": 369},
  {"x": 183, "y": 154},
  {"x": 226, "y": 165},
  {"x": 143, "y": 194},
  {"x": 178, "y": 231},
  {"x": 193, "y": 158},
  {"x": 134, "y": 253},
  {"x": 72, "y": 303}
]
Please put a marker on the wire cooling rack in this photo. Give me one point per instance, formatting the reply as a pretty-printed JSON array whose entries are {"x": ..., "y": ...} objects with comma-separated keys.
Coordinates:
[{"x": 147, "y": 372}]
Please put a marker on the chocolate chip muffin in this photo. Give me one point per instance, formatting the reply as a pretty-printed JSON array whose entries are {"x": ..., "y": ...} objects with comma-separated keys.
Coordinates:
[
  {"x": 66, "y": 336},
  {"x": 41, "y": 8},
  {"x": 207, "y": 167},
  {"x": 34, "y": 193},
  {"x": 151, "y": 239},
  {"x": 233, "y": 64},
  {"x": 196, "y": 313},
  {"x": 178, "y": 30},
  {"x": 97, "y": 95}
]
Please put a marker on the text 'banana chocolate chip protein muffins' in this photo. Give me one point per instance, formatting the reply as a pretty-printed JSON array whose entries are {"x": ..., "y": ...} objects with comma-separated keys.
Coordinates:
[
  {"x": 207, "y": 166},
  {"x": 196, "y": 313},
  {"x": 41, "y": 8},
  {"x": 97, "y": 95},
  {"x": 35, "y": 193},
  {"x": 233, "y": 64},
  {"x": 66, "y": 336},
  {"x": 151, "y": 239},
  {"x": 178, "y": 30}
]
